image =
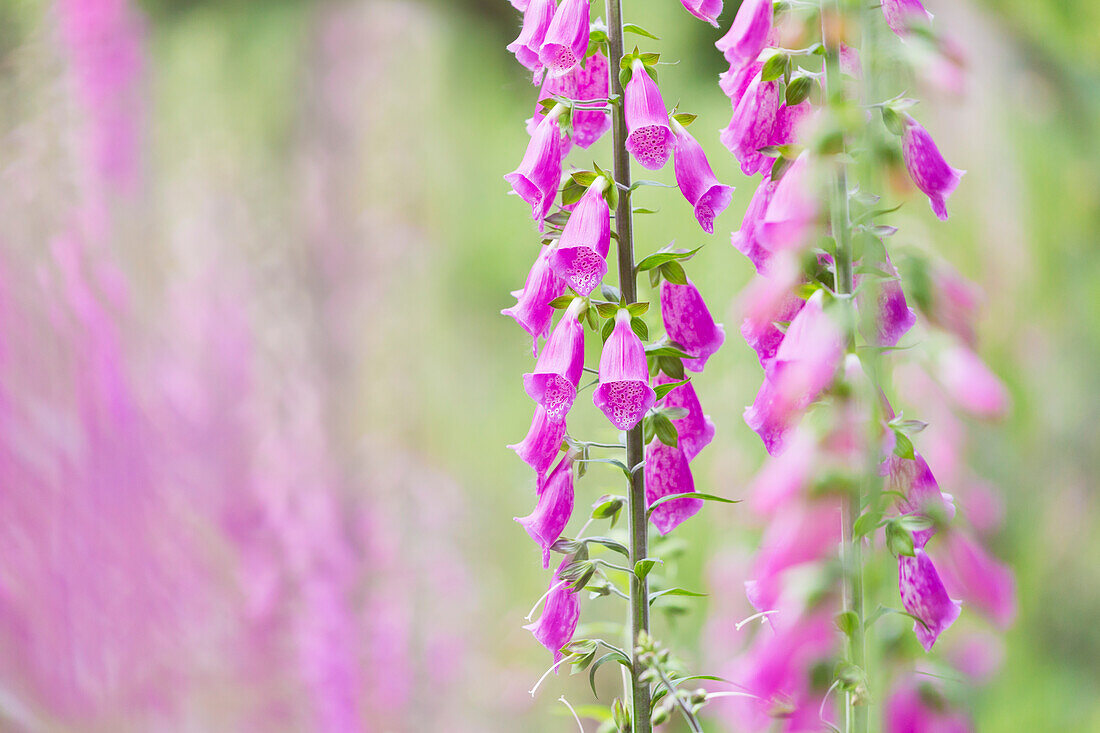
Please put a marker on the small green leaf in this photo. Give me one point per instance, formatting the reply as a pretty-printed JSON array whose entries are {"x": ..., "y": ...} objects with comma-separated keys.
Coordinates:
[
  {"x": 674, "y": 592},
  {"x": 608, "y": 507},
  {"x": 618, "y": 657},
  {"x": 664, "y": 430},
  {"x": 584, "y": 178},
  {"x": 847, "y": 622},
  {"x": 775, "y": 67},
  {"x": 684, "y": 118},
  {"x": 649, "y": 59},
  {"x": 780, "y": 167},
  {"x": 640, "y": 329},
  {"x": 866, "y": 524},
  {"x": 691, "y": 495},
  {"x": 610, "y": 544},
  {"x": 663, "y": 389},
  {"x": 666, "y": 349},
  {"x": 644, "y": 211},
  {"x": 660, "y": 258},
  {"x": 637, "y": 309},
  {"x": 673, "y": 366},
  {"x": 899, "y": 540},
  {"x": 893, "y": 121},
  {"x": 561, "y": 302},
  {"x": 903, "y": 447},
  {"x": 771, "y": 151},
  {"x": 674, "y": 273},
  {"x": 638, "y": 30},
  {"x": 624, "y": 76},
  {"x": 610, "y": 292},
  {"x": 639, "y": 184},
  {"x": 798, "y": 90},
  {"x": 607, "y": 310},
  {"x": 643, "y": 566},
  {"x": 608, "y": 327}
]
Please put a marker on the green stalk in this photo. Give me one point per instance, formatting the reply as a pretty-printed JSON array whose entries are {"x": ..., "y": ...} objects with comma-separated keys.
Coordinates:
[{"x": 636, "y": 504}]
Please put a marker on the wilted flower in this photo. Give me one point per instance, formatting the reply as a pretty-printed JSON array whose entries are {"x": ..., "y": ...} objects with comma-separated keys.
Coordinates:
[
  {"x": 532, "y": 310},
  {"x": 536, "y": 180},
  {"x": 542, "y": 443},
  {"x": 580, "y": 257},
  {"x": 554, "y": 508},
  {"x": 924, "y": 596},
  {"x": 567, "y": 37},
  {"x": 560, "y": 614},
  {"x": 553, "y": 384},
  {"x": 748, "y": 34},
  {"x": 649, "y": 138},
  {"x": 696, "y": 179},
  {"x": 695, "y": 430},
  {"x": 689, "y": 323},
  {"x": 929, "y": 171},
  {"x": 537, "y": 17},
  {"x": 624, "y": 394},
  {"x": 667, "y": 473}
]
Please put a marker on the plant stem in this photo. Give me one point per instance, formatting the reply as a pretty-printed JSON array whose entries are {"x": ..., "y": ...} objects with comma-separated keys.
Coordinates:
[
  {"x": 636, "y": 505},
  {"x": 855, "y": 708}
]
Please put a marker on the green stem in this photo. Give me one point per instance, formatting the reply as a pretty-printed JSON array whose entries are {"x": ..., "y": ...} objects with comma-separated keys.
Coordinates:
[{"x": 639, "y": 525}]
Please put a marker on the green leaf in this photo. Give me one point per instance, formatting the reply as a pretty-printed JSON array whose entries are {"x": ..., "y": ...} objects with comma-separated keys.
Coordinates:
[
  {"x": 638, "y": 30},
  {"x": 893, "y": 121},
  {"x": 673, "y": 413},
  {"x": 847, "y": 622},
  {"x": 607, "y": 310},
  {"x": 571, "y": 193},
  {"x": 903, "y": 447},
  {"x": 775, "y": 67},
  {"x": 780, "y": 167},
  {"x": 561, "y": 302},
  {"x": 798, "y": 90},
  {"x": 684, "y": 118},
  {"x": 660, "y": 258},
  {"x": 618, "y": 657},
  {"x": 673, "y": 366},
  {"x": 674, "y": 273},
  {"x": 690, "y": 495},
  {"x": 608, "y": 507},
  {"x": 643, "y": 566},
  {"x": 641, "y": 330},
  {"x": 771, "y": 151},
  {"x": 899, "y": 540},
  {"x": 645, "y": 211},
  {"x": 866, "y": 524},
  {"x": 674, "y": 592},
  {"x": 608, "y": 327},
  {"x": 639, "y": 184},
  {"x": 610, "y": 292},
  {"x": 624, "y": 76},
  {"x": 637, "y": 309},
  {"x": 609, "y": 543},
  {"x": 584, "y": 178},
  {"x": 664, "y": 430},
  {"x": 666, "y": 349},
  {"x": 663, "y": 389},
  {"x": 649, "y": 59}
]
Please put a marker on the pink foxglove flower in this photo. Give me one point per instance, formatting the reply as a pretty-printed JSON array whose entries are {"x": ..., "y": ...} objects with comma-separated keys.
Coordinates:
[
  {"x": 787, "y": 122},
  {"x": 539, "y": 173},
  {"x": 850, "y": 63},
  {"x": 567, "y": 38},
  {"x": 977, "y": 578},
  {"x": 689, "y": 323},
  {"x": 554, "y": 508},
  {"x": 707, "y": 10},
  {"x": 893, "y": 317},
  {"x": 745, "y": 239},
  {"x": 913, "y": 479},
  {"x": 735, "y": 82},
  {"x": 532, "y": 310},
  {"x": 778, "y": 670},
  {"x": 901, "y": 15},
  {"x": 748, "y": 34},
  {"x": 553, "y": 384},
  {"x": 537, "y": 17},
  {"x": 667, "y": 473},
  {"x": 649, "y": 137},
  {"x": 955, "y": 302},
  {"x": 580, "y": 258},
  {"x": 696, "y": 179},
  {"x": 586, "y": 83},
  {"x": 542, "y": 443},
  {"x": 560, "y": 614},
  {"x": 971, "y": 384},
  {"x": 623, "y": 394},
  {"x": 769, "y": 299},
  {"x": 783, "y": 478},
  {"x": 806, "y": 533},
  {"x": 792, "y": 210},
  {"x": 926, "y": 166},
  {"x": 924, "y": 596},
  {"x": 921, "y": 709},
  {"x": 750, "y": 127},
  {"x": 695, "y": 430}
]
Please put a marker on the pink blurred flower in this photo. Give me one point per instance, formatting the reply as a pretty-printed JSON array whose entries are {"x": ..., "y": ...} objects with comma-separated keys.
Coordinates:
[
  {"x": 971, "y": 384},
  {"x": 925, "y": 597}
]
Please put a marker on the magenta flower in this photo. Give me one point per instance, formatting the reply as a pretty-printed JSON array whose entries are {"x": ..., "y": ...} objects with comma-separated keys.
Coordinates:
[
  {"x": 583, "y": 84},
  {"x": 553, "y": 384},
  {"x": 783, "y": 478},
  {"x": 567, "y": 38},
  {"x": 707, "y": 10},
  {"x": 689, "y": 323},
  {"x": 539, "y": 173},
  {"x": 667, "y": 473},
  {"x": 537, "y": 17},
  {"x": 787, "y": 121},
  {"x": 696, "y": 179},
  {"x": 893, "y": 317},
  {"x": 580, "y": 258},
  {"x": 807, "y": 532},
  {"x": 542, "y": 443},
  {"x": 751, "y": 125},
  {"x": 929, "y": 171},
  {"x": 735, "y": 82},
  {"x": 623, "y": 394},
  {"x": 520, "y": 5},
  {"x": 971, "y": 573},
  {"x": 901, "y": 15},
  {"x": 748, "y": 34},
  {"x": 649, "y": 138},
  {"x": 560, "y": 614},
  {"x": 695, "y": 430},
  {"x": 955, "y": 302},
  {"x": 792, "y": 210},
  {"x": 532, "y": 310},
  {"x": 745, "y": 239},
  {"x": 921, "y": 709},
  {"x": 971, "y": 384},
  {"x": 554, "y": 508},
  {"x": 768, "y": 299},
  {"x": 923, "y": 595},
  {"x": 914, "y": 480}
]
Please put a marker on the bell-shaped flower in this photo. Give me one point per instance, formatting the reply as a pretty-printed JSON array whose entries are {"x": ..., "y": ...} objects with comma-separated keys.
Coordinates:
[
  {"x": 970, "y": 383},
  {"x": 586, "y": 83},
  {"x": 926, "y": 166},
  {"x": 791, "y": 211},
  {"x": 969, "y": 572},
  {"x": 902, "y": 15},
  {"x": 955, "y": 302},
  {"x": 623, "y": 394},
  {"x": 695, "y": 430},
  {"x": 921, "y": 708},
  {"x": 804, "y": 365},
  {"x": 913, "y": 480},
  {"x": 788, "y": 120},
  {"x": 580, "y": 258},
  {"x": 537, "y": 17},
  {"x": 767, "y": 300},
  {"x": 542, "y": 443},
  {"x": 735, "y": 82},
  {"x": 667, "y": 473},
  {"x": 707, "y": 10},
  {"x": 924, "y": 596},
  {"x": 751, "y": 125},
  {"x": 532, "y": 310},
  {"x": 696, "y": 179},
  {"x": 554, "y": 508},
  {"x": 744, "y": 239},
  {"x": 560, "y": 614},
  {"x": 893, "y": 316},
  {"x": 783, "y": 478},
  {"x": 688, "y": 322},
  {"x": 553, "y": 384},
  {"x": 748, "y": 34},
  {"x": 567, "y": 38},
  {"x": 649, "y": 138},
  {"x": 805, "y": 533},
  {"x": 539, "y": 173}
]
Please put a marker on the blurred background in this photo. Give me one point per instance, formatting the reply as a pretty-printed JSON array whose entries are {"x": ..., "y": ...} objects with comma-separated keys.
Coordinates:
[{"x": 256, "y": 389}]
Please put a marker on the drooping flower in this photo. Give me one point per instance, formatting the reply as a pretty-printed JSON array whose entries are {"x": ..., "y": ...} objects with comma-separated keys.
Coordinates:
[
  {"x": 970, "y": 383},
  {"x": 537, "y": 17},
  {"x": 696, "y": 179},
  {"x": 748, "y": 34},
  {"x": 582, "y": 84},
  {"x": 970, "y": 572},
  {"x": 807, "y": 532},
  {"x": 580, "y": 257},
  {"x": 893, "y": 316},
  {"x": 536, "y": 180},
  {"x": 560, "y": 614},
  {"x": 791, "y": 211},
  {"x": 926, "y": 166},
  {"x": 787, "y": 122},
  {"x": 751, "y": 125},
  {"x": 745, "y": 239},
  {"x": 913, "y": 479},
  {"x": 553, "y": 384},
  {"x": 695, "y": 430},
  {"x": 914, "y": 708},
  {"x": 567, "y": 37},
  {"x": 542, "y": 443},
  {"x": 954, "y": 302},
  {"x": 520, "y": 5},
  {"x": 649, "y": 138},
  {"x": 689, "y": 323},
  {"x": 707, "y": 10},
  {"x": 532, "y": 310},
  {"x": 623, "y": 394},
  {"x": 667, "y": 473},
  {"x": 901, "y": 15},
  {"x": 554, "y": 509},
  {"x": 924, "y": 596},
  {"x": 783, "y": 478},
  {"x": 735, "y": 81}
]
